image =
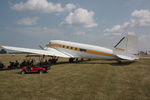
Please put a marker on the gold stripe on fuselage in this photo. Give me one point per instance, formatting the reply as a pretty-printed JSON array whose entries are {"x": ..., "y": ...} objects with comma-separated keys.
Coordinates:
[
  {"x": 98, "y": 53},
  {"x": 69, "y": 47},
  {"x": 73, "y": 48},
  {"x": 78, "y": 49}
]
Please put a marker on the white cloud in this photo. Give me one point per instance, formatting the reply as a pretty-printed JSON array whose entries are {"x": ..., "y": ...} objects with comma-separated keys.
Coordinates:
[
  {"x": 42, "y": 6},
  {"x": 28, "y": 21},
  {"x": 116, "y": 28},
  {"x": 139, "y": 19},
  {"x": 70, "y": 6},
  {"x": 80, "y": 33},
  {"x": 131, "y": 33},
  {"x": 80, "y": 17}
]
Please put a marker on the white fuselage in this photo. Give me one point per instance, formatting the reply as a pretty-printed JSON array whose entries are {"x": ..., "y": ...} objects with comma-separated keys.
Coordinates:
[{"x": 78, "y": 50}]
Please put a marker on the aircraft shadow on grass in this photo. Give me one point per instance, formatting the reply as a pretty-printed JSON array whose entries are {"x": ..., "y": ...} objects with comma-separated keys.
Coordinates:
[{"x": 110, "y": 63}]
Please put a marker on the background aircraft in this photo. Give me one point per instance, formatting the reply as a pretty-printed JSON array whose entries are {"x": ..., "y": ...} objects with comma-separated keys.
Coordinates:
[{"x": 125, "y": 49}]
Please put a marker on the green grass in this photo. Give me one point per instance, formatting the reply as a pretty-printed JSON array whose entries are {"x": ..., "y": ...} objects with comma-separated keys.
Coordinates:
[{"x": 90, "y": 80}]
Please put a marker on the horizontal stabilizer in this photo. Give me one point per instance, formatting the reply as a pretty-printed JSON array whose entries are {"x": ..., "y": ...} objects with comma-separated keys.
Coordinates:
[{"x": 125, "y": 56}]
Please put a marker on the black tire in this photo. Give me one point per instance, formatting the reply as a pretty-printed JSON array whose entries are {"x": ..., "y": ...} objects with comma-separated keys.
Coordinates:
[
  {"x": 41, "y": 71},
  {"x": 23, "y": 72}
]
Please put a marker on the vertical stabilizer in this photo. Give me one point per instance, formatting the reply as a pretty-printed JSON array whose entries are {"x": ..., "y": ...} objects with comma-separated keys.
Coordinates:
[{"x": 128, "y": 44}]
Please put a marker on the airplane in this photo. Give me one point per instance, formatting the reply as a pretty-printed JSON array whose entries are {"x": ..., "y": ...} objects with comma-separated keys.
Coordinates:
[{"x": 125, "y": 49}]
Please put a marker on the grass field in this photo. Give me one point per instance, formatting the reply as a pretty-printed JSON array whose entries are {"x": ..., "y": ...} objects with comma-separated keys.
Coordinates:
[{"x": 89, "y": 80}]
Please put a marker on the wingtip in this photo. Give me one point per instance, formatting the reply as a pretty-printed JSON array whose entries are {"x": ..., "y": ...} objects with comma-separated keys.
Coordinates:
[{"x": 1, "y": 46}]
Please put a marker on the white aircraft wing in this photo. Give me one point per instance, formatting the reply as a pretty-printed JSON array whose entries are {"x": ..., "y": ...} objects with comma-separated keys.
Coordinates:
[{"x": 50, "y": 51}]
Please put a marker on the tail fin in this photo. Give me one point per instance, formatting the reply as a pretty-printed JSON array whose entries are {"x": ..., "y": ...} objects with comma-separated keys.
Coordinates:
[{"x": 128, "y": 44}]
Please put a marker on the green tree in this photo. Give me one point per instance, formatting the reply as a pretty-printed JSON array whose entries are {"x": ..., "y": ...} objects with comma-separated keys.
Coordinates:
[{"x": 3, "y": 51}]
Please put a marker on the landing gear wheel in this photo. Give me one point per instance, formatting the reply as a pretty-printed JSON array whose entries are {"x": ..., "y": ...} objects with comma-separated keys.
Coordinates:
[
  {"x": 71, "y": 60},
  {"x": 23, "y": 72},
  {"x": 119, "y": 62}
]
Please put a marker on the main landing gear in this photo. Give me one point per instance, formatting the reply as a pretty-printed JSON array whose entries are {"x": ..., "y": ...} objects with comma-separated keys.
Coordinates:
[
  {"x": 53, "y": 60},
  {"x": 71, "y": 60},
  {"x": 75, "y": 60},
  {"x": 119, "y": 61}
]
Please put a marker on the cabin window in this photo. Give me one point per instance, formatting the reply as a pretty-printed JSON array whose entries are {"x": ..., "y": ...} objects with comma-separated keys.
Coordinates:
[
  {"x": 67, "y": 47},
  {"x": 83, "y": 50}
]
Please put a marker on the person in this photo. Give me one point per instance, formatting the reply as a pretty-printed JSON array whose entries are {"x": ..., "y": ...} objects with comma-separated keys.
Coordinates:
[
  {"x": 32, "y": 61},
  {"x": 1, "y": 65},
  {"x": 16, "y": 64},
  {"x": 41, "y": 62},
  {"x": 23, "y": 64},
  {"x": 50, "y": 61},
  {"x": 11, "y": 66},
  {"x": 46, "y": 62},
  {"x": 28, "y": 62},
  {"x": 28, "y": 68}
]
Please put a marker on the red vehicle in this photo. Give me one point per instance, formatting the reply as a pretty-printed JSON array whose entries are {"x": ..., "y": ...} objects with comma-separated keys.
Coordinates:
[{"x": 33, "y": 69}]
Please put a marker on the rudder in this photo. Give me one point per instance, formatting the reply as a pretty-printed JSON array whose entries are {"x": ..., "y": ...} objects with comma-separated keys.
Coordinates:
[{"x": 128, "y": 43}]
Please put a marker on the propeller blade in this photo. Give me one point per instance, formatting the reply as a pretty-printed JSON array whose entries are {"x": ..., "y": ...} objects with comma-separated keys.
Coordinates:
[{"x": 41, "y": 47}]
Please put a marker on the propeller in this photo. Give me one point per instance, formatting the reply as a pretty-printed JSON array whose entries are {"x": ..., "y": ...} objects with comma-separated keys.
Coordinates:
[{"x": 41, "y": 47}]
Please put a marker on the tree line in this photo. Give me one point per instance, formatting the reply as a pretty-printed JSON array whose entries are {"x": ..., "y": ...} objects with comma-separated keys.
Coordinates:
[{"x": 3, "y": 51}]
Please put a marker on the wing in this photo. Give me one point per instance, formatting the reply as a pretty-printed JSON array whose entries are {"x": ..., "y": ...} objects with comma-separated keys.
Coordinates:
[{"x": 49, "y": 51}]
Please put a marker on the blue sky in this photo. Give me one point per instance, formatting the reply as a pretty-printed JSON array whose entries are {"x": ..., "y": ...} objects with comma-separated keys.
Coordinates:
[{"x": 28, "y": 23}]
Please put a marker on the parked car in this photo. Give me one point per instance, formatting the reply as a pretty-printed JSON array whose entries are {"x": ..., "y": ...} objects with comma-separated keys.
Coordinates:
[
  {"x": 1, "y": 65},
  {"x": 34, "y": 69}
]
